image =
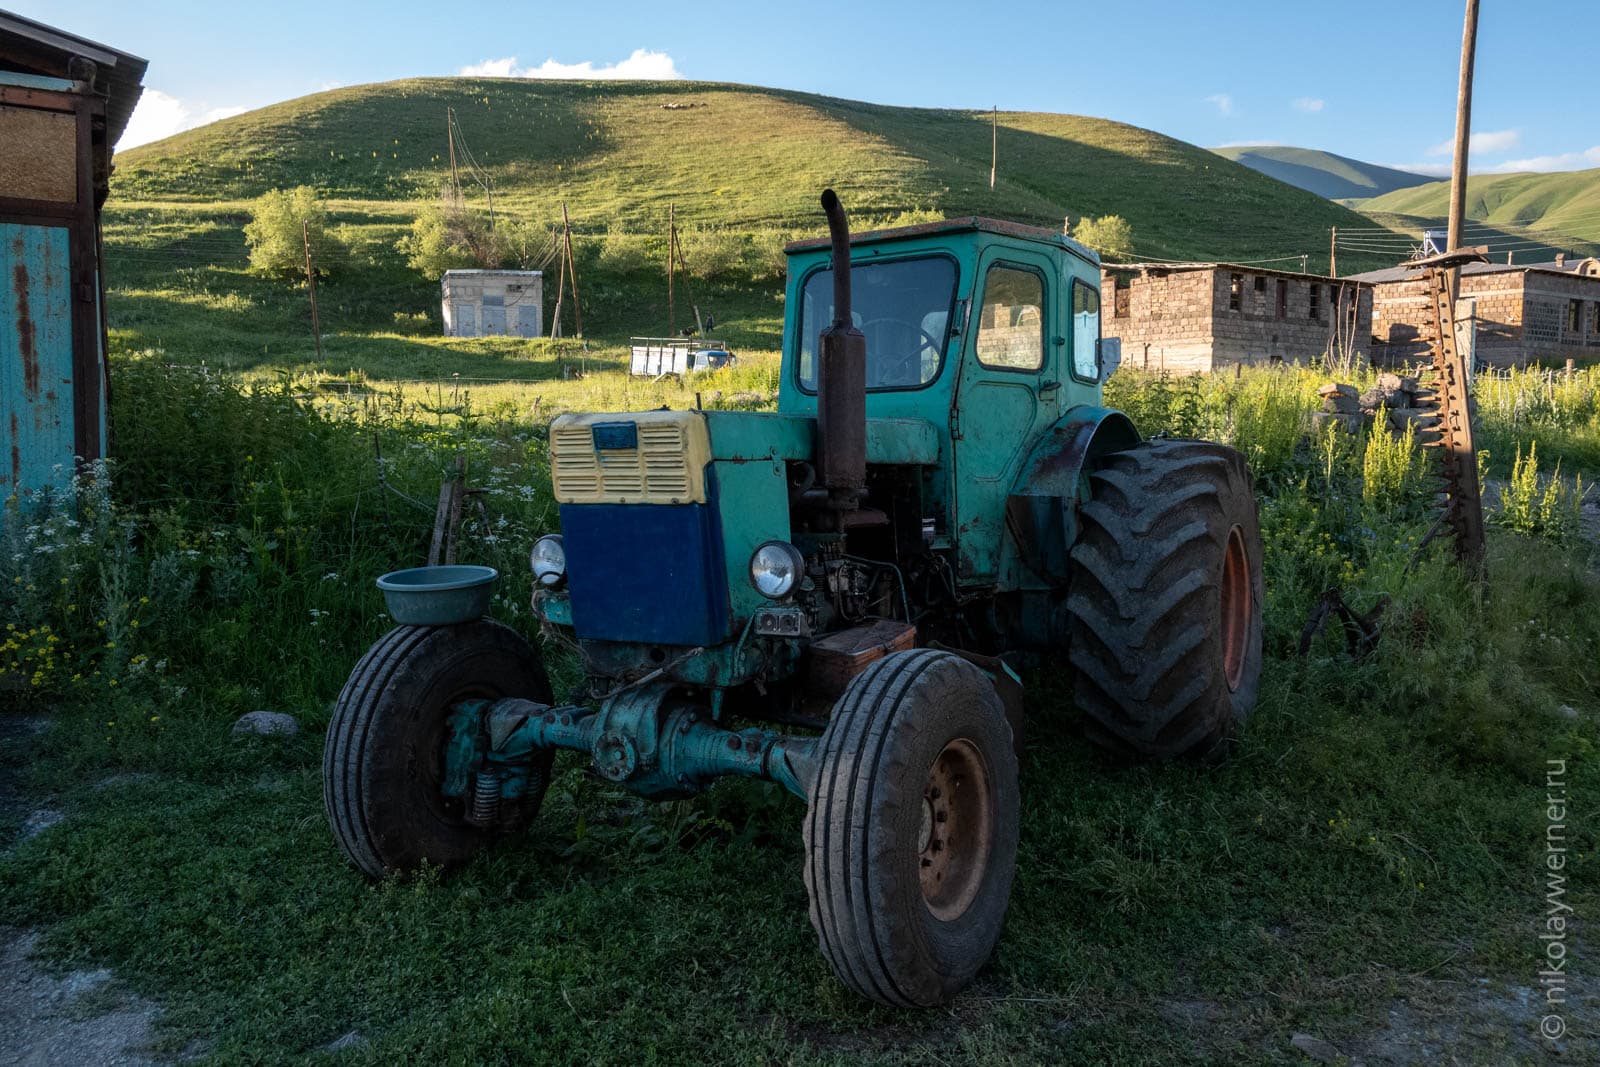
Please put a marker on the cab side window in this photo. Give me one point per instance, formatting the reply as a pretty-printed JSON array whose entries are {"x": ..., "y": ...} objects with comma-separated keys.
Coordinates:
[
  {"x": 1085, "y": 332},
  {"x": 1011, "y": 321}
]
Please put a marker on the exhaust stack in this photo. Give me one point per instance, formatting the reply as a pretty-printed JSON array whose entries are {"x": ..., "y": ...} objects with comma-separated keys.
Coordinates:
[{"x": 841, "y": 379}]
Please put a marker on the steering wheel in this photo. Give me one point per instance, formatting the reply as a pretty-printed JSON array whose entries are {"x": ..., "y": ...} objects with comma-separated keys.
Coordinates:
[{"x": 907, "y": 369}]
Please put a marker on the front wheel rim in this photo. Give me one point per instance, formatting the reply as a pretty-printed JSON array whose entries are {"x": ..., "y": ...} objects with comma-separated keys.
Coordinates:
[
  {"x": 1237, "y": 608},
  {"x": 957, "y": 831}
]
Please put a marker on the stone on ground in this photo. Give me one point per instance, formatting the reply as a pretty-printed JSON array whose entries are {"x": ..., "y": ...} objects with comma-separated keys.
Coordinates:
[{"x": 267, "y": 724}]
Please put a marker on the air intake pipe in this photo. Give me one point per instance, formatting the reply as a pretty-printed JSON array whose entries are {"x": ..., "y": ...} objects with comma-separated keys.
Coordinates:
[{"x": 841, "y": 379}]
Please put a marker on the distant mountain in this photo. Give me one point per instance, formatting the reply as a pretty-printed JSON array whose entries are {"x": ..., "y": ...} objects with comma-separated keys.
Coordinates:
[
  {"x": 1552, "y": 207},
  {"x": 1323, "y": 173}
]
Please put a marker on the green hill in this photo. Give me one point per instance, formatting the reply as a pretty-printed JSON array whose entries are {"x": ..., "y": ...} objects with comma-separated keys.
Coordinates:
[
  {"x": 1323, "y": 173},
  {"x": 728, "y": 155},
  {"x": 1550, "y": 207}
]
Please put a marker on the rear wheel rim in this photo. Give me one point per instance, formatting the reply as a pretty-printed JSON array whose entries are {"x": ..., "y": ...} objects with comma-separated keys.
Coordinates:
[
  {"x": 1237, "y": 607},
  {"x": 957, "y": 833}
]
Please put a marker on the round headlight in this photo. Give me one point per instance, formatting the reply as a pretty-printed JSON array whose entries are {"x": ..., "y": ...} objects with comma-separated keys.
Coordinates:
[
  {"x": 775, "y": 569},
  {"x": 548, "y": 560}
]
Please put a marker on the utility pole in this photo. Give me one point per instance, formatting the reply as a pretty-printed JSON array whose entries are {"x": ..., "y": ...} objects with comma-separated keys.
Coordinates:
[
  {"x": 1458, "y": 170},
  {"x": 994, "y": 144},
  {"x": 577, "y": 305},
  {"x": 450, "y": 136},
  {"x": 1333, "y": 252},
  {"x": 672, "y": 257},
  {"x": 561, "y": 292},
  {"x": 311, "y": 283}
]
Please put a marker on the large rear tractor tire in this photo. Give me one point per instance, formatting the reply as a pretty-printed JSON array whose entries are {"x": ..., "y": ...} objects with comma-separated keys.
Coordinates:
[
  {"x": 1165, "y": 599},
  {"x": 911, "y": 829},
  {"x": 383, "y": 761}
]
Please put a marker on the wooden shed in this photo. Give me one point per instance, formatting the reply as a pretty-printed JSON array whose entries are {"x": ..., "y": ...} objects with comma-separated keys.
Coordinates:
[{"x": 64, "y": 101}]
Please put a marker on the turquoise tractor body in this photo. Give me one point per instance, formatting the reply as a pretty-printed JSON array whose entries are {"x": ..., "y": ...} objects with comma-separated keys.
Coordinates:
[{"x": 983, "y": 416}]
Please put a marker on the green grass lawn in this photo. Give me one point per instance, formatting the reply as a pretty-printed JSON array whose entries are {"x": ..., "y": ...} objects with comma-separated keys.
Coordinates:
[
  {"x": 734, "y": 156},
  {"x": 1373, "y": 845}
]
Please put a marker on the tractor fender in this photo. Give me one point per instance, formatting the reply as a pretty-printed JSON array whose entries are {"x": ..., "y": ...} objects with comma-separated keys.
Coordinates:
[{"x": 1041, "y": 511}]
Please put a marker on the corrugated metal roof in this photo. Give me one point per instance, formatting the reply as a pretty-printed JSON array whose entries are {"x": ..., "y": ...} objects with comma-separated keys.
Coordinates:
[
  {"x": 1405, "y": 274},
  {"x": 34, "y": 48}
]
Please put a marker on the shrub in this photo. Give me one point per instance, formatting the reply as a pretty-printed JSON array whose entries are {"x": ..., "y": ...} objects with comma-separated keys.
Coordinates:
[
  {"x": 280, "y": 224},
  {"x": 1108, "y": 234},
  {"x": 449, "y": 235},
  {"x": 712, "y": 253},
  {"x": 446, "y": 236},
  {"x": 1546, "y": 507}
]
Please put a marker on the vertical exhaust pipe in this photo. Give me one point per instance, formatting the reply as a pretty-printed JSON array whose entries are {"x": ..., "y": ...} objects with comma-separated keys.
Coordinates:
[{"x": 841, "y": 379}]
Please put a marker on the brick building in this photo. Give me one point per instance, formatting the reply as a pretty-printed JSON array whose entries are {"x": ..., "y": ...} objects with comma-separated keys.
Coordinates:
[
  {"x": 1196, "y": 317},
  {"x": 1525, "y": 313}
]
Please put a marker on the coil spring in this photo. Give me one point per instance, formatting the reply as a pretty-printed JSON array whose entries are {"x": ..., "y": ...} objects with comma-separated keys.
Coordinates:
[{"x": 485, "y": 799}]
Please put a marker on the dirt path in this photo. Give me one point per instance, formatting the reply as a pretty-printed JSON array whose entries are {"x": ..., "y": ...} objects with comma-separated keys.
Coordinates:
[
  {"x": 49, "y": 1017},
  {"x": 71, "y": 1019}
]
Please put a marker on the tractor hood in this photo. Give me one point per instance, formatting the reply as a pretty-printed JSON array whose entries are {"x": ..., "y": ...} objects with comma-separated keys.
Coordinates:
[{"x": 660, "y": 457}]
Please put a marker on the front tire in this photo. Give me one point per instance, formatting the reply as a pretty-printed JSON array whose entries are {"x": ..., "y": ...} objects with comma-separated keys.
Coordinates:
[
  {"x": 911, "y": 829},
  {"x": 383, "y": 760},
  {"x": 1165, "y": 601}
]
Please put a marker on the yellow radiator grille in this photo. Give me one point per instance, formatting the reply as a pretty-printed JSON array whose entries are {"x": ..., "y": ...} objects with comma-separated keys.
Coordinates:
[{"x": 667, "y": 466}]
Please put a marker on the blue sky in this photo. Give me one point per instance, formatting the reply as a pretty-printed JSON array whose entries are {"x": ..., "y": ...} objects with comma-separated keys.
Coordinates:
[{"x": 1213, "y": 72}]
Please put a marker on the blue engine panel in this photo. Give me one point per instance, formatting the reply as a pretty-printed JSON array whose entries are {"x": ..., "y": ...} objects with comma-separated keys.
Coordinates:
[{"x": 646, "y": 573}]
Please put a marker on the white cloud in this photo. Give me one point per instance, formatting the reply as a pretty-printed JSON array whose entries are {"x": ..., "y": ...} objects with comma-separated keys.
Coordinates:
[
  {"x": 1309, "y": 104},
  {"x": 1589, "y": 157},
  {"x": 1488, "y": 141},
  {"x": 160, "y": 114},
  {"x": 643, "y": 64},
  {"x": 1223, "y": 102},
  {"x": 1246, "y": 144}
]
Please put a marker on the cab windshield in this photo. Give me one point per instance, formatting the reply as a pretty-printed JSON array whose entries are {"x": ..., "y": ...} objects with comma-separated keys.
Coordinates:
[{"x": 902, "y": 307}]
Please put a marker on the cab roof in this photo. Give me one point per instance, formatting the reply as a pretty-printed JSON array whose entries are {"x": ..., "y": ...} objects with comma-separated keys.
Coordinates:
[{"x": 964, "y": 224}]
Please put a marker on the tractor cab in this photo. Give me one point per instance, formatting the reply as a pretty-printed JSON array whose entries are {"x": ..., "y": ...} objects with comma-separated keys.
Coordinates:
[{"x": 988, "y": 331}]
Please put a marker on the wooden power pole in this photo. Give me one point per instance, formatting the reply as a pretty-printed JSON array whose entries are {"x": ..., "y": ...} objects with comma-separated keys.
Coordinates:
[
  {"x": 311, "y": 284},
  {"x": 572, "y": 268},
  {"x": 1458, "y": 169},
  {"x": 672, "y": 258},
  {"x": 450, "y": 136},
  {"x": 994, "y": 143},
  {"x": 1333, "y": 252}
]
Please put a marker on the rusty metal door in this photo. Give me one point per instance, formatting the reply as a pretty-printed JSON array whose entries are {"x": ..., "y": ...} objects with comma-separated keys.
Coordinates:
[{"x": 36, "y": 397}]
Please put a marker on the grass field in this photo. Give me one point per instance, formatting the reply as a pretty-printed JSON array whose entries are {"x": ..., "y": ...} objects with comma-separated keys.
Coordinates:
[
  {"x": 732, "y": 156},
  {"x": 1370, "y": 853}
]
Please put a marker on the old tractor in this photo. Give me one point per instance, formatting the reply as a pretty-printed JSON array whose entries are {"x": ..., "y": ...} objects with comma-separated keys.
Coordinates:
[{"x": 833, "y": 597}]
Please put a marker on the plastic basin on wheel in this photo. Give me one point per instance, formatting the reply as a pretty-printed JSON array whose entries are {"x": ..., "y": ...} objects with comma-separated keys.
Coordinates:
[{"x": 438, "y": 596}]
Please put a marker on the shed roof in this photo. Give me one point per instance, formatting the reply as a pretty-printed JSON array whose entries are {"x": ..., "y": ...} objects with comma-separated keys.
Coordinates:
[
  {"x": 1240, "y": 268},
  {"x": 34, "y": 48}
]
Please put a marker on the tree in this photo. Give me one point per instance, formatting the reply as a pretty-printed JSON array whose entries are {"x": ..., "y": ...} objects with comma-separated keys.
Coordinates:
[
  {"x": 277, "y": 240},
  {"x": 447, "y": 235},
  {"x": 1108, "y": 235}
]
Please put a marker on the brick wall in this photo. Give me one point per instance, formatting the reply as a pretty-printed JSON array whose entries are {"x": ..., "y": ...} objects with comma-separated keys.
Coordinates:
[
  {"x": 1185, "y": 320},
  {"x": 1523, "y": 317}
]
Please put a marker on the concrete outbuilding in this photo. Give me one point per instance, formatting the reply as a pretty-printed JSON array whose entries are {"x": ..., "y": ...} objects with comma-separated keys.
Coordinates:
[
  {"x": 64, "y": 101},
  {"x": 493, "y": 303}
]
